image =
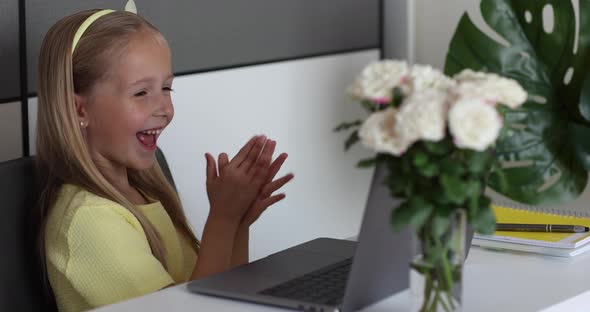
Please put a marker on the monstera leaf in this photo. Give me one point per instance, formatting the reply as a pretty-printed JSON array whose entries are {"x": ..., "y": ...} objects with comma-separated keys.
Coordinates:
[{"x": 545, "y": 145}]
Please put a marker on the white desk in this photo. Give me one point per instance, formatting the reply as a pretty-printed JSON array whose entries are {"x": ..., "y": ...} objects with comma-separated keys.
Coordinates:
[{"x": 493, "y": 281}]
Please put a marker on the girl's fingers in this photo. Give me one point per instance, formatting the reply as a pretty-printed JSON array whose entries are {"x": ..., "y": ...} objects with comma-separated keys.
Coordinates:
[
  {"x": 222, "y": 161},
  {"x": 262, "y": 205},
  {"x": 261, "y": 168},
  {"x": 270, "y": 188},
  {"x": 267, "y": 202},
  {"x": 211, "y": 167},
  {"x": 253, "y": 154},
  {"x": 241, "y": 155},
  {"x": 276, "y": 166},
  {"x": 265, "y": 157}
]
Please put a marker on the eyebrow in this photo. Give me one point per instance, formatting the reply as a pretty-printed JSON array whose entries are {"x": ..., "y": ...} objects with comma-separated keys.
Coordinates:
[{"x": 148, "y": 79}]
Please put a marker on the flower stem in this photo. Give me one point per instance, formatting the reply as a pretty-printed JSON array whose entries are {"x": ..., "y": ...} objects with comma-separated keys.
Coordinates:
[
  {"x": 427, "y": 292},
  {"x": 445, "y": 264},
  {"x": 448, "y": 307},
  {"x": 435, "y": 300}
]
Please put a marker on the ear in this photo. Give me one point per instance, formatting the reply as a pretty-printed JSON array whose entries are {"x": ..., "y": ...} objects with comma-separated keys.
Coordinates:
[{"x": 81, "y": 108}]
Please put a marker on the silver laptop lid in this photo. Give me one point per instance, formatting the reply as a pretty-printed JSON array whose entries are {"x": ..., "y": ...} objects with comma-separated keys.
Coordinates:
[
  {"x": 382, "y": 257},
  {"x": 381, "y": 261}
]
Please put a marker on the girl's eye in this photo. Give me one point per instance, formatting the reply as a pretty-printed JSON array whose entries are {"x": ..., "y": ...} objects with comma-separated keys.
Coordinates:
[
  {"x": 142, "y": 93},
  {"x": 169, "y": 89}
]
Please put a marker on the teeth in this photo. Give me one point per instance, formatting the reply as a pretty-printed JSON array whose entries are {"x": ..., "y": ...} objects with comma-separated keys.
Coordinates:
[{"x": 152, "y": 131}]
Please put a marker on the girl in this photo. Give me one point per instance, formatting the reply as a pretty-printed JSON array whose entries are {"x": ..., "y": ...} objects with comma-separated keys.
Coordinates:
[{"x": 113, "y": 226}]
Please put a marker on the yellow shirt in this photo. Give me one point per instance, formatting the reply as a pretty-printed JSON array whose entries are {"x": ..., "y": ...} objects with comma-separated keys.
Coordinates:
[{"x": 97, "y": 252}]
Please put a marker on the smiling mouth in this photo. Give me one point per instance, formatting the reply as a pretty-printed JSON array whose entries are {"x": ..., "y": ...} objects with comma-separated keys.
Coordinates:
[{"x": 149, "y": 138}]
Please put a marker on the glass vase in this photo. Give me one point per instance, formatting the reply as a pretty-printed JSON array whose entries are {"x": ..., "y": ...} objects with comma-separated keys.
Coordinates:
[{"x": 436, "y": 272}]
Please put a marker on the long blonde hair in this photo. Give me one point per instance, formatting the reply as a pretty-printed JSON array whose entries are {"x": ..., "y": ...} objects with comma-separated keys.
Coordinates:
[{"x": 62, "y": 152}]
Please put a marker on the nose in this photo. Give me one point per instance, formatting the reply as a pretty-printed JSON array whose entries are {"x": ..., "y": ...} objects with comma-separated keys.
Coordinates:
[{"x": 165, "y": 109}]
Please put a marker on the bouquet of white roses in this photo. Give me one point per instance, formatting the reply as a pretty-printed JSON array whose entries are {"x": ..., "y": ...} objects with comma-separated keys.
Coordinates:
[{"x": 436, "y": 135}]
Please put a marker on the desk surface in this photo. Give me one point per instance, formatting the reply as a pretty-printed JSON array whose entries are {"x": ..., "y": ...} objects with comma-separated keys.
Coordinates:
[{"x": 493, "y": 281}]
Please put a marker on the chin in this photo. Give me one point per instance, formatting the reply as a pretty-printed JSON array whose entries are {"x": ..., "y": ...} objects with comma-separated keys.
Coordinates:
[{"x": 142, "y": 163}]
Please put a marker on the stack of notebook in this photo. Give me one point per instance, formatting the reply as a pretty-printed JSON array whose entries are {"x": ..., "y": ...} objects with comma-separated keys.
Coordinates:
[{"x": 554, "y": 244}]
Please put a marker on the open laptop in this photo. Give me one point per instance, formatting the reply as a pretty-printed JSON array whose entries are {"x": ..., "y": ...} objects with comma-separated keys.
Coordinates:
[{"x": 328, "y": 274}]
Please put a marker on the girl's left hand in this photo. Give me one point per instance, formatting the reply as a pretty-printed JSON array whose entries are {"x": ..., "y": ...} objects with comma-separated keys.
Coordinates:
[
  {"x": 265, "y": 199},
  {"x": 238, "y": 184},
  {"x": 264, "y": 173}
]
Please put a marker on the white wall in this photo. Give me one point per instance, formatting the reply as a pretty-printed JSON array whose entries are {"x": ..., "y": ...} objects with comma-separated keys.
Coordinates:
[
  {"x": 435, "y": 22},
  {"x": 298, "y": 103}
]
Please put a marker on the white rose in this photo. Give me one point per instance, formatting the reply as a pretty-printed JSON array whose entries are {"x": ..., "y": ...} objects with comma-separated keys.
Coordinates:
[
  {"x": 470, "y": 75},
  {"x": 378, "y": 133},
  {"x": 474, "y": 124},
  {"x": 377, "y": 80},
  {"x": 509, "y": 92},
  {"x": 426, "y": 77},
  {"x": 422, "y": 116},
  {"x": 490, "y": 87}
]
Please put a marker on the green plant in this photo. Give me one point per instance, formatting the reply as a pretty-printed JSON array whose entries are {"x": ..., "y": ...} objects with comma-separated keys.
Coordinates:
[
  {"x": 545, "y": 146},
  {"x": 434, "y": 136}
]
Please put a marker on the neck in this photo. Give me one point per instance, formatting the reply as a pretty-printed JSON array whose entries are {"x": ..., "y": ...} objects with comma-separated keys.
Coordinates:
[{"x": 115, "y": 174}]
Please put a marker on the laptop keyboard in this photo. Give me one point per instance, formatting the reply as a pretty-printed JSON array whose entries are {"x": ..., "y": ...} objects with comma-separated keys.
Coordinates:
[{"x": 323, "y": 286}]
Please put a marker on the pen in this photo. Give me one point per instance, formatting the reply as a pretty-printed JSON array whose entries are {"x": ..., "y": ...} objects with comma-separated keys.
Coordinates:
[{"x": 559, "y": 228}]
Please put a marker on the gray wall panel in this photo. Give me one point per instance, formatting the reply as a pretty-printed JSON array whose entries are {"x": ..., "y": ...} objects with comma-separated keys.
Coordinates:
[
  {"x": 398, "y": 30},
  {"x": 9, "y": 44},
  {"x": 10, "y": 131},
  {"x": 212, "y": 34}
]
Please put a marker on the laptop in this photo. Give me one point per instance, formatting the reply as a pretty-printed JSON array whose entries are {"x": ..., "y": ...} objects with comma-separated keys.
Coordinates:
[{"x": 328, "y": 274}]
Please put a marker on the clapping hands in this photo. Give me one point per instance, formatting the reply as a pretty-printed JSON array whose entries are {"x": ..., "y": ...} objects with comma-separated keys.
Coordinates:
[{"x": 242, "y": 189}]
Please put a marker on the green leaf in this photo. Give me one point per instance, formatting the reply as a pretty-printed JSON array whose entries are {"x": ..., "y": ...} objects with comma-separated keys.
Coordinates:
[
  {"x": 396, "y": 183},
  {"x": 498, "y": 178},
  {"x": 441, "y": 220},
  {"x": 439, "y": 148},
  {"x": 580, "y": 137},
  {"x": 485, "y": 221},
  {"x": 398, "y": 96},
  {"x": 453, "y": 188},
  {"x": 422, "y": 268},
  {"x": 585, "y": 98},
  {"x": 451, "y": 166},
  {"x": 473, "y": 188},
  {"x": 414, "y": 211},
  {"x": 366, "y": 163},
  {"x": 478, "y": 162},
  {"x": 406, "y": 165},
  {"x": 472, "y": 207},
  {"x": 439, "y": 197},
  {"x": 348, "y": 125},
  {"x": 539, "y": 61},
  {"x": 420, "y": 159},
  {"x": 352, "y": 139},
  {"x": 369, "y": 106},
  {"x": 430, "y": 170},
  {"x": 473, "y": 191}
]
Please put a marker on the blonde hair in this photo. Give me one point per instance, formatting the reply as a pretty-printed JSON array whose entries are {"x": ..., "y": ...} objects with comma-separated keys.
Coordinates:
[{"x": 62, "y": 152}]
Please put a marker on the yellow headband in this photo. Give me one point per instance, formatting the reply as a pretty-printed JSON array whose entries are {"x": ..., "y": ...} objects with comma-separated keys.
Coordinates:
[{"x": 87, "y": 24}]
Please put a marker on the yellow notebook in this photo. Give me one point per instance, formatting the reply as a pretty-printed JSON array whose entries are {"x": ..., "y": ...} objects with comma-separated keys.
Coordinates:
[{"x": 549, "y": 240}]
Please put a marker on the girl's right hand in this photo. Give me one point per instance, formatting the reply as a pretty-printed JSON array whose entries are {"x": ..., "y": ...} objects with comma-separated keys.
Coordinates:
[{"x": 233, "y": 190}]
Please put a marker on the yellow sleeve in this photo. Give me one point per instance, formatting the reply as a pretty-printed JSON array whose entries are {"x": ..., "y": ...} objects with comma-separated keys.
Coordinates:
[{"x": 109, "y": 257}]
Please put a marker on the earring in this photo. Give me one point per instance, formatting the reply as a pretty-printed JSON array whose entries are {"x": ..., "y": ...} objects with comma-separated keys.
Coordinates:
[{"x": 82, "y": 124}]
